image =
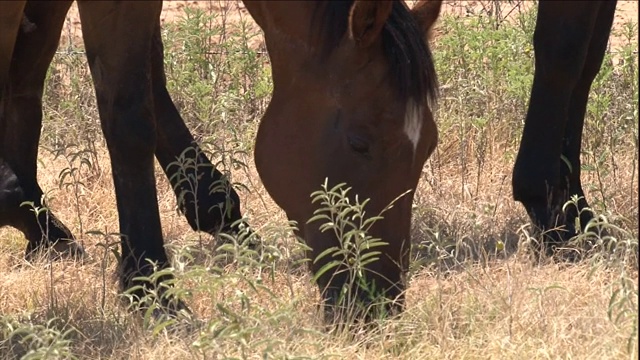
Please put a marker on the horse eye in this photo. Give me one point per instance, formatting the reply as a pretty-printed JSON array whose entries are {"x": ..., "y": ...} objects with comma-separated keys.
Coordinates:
[{"x": 359, "y": 145}]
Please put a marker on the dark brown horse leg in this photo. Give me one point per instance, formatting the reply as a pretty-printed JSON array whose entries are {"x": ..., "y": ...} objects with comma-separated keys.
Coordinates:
[
  {"x": 204, "y": 194},
  {"x": 117, "y": 36},
  {"x": 10, "y": 18},
  {"x": 20, "y": 124},
  {"x": 577, "y": 109},
  {"x": 561, "y": 42},
  {"x": 10, "y": 192}
]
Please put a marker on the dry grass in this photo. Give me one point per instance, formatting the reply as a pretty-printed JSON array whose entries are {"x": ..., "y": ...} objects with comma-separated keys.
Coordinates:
[{"x": 481, "y": 301}]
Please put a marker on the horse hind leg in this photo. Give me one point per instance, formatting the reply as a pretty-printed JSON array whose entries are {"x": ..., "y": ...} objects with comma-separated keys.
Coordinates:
[
  {"x": 561, "y": 40},
  {"x": 210, "y": 204},
  {"x": 11, "y": 13},
  {"x": 20, "y": 121},
  {"x": 572, "y": 185}
]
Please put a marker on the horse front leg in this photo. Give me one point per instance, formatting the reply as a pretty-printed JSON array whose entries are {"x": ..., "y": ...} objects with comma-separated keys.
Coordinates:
[{"x": 117, "y": 37}]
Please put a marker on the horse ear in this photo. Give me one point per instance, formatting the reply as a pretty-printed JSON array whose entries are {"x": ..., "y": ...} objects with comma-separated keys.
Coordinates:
[
  {"x": 366, "y": 20},
  {"x": 426, "y": 13}
]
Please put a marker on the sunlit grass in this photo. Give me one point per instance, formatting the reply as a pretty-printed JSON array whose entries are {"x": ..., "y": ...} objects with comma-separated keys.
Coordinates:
[{"x": 473, "y": 293}]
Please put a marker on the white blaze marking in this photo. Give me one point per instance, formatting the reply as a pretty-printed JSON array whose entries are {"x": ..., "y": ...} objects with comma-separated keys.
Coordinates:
[{"x": 413, "y": 122}]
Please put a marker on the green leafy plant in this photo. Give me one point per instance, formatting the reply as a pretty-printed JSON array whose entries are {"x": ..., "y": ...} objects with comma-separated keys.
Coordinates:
[{"x": 346, "y": 218}]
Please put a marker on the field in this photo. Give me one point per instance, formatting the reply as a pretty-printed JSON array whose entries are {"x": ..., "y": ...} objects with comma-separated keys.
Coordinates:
[{"x": 474, "y": 291}]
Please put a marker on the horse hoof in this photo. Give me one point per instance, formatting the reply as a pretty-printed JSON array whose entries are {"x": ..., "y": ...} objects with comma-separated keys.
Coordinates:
[
  {"x": 69, "y": 250},
  {"x": 60, "y": 250}
]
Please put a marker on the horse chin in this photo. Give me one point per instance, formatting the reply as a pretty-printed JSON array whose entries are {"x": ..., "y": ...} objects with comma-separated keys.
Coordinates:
[
  {"x": 347, "y": 297},
  {"x": 360, "y": 309}
]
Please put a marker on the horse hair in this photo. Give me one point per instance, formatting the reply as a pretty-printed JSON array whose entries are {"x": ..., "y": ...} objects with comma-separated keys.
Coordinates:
[{"x": 411, "y": 66}]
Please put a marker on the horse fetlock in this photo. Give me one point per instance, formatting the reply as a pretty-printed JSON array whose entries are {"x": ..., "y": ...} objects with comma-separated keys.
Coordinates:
[
  {"x": 9, "y": 182},
  {"x": 213, "y": 210},
  {"x": 11, "y": 195},
  {"x": 529, "y": 182}
]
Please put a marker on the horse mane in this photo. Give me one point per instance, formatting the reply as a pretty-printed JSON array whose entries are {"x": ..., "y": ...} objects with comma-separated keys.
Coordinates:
[{"x": 404, "y": 44}]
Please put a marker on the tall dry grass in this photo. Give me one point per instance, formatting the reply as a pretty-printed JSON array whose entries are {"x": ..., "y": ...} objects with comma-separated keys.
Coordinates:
[{"x": 474, "y": 293}]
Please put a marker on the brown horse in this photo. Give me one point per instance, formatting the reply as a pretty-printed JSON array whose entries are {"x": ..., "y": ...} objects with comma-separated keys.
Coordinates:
[{"x": 353, "y": 86}]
